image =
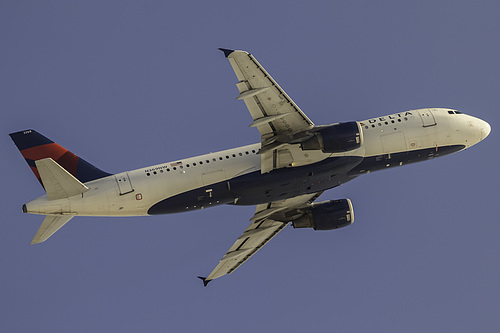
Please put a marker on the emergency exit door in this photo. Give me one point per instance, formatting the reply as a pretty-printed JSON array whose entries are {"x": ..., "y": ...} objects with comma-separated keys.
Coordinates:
[
  {"x": 427, "y": 117},
  {"x": 124, "y": 184}
]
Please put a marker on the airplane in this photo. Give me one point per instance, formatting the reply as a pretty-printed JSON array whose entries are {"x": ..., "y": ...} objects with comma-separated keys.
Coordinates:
[{"x": 295, "y": 162}]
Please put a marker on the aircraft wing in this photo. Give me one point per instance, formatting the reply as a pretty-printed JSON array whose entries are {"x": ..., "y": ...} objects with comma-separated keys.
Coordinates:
[
  {"x": 268, "y": 221},
  {"x": 274, "y": 114}
]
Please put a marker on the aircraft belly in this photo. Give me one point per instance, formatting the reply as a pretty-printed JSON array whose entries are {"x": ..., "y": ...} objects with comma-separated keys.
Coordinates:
[
  {"x": 286, "y": 183},
  {"x": 199, "y": 198},
  {"x": 256, "y": 188},
  {"x": 385, "y": 161}
]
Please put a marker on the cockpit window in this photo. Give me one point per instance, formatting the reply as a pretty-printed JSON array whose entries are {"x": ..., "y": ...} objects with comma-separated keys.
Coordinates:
[
  {"x": 458, "y": 112},
  {"x": 451, "y": 112}
]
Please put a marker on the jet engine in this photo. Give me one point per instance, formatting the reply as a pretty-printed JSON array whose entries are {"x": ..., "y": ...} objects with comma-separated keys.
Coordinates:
[
  {"x": 336, "y": 138},
  {"x": 327, "y": 215}
]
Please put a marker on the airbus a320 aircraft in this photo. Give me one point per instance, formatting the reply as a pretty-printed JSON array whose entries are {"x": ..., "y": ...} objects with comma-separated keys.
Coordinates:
[{"x": 282, "y": 175}]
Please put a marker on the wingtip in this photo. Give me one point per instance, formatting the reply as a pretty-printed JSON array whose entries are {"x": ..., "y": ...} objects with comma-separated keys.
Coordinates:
[
  {"x": 227, "y": 52},
  {"x": 205, "y": 281}
]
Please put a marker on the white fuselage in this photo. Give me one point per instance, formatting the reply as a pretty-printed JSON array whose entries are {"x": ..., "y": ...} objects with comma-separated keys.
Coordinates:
[{"x": 134, "y": 192}]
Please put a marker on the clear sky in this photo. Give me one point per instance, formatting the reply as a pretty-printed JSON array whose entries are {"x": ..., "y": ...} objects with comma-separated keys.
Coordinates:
[{"x": 127, "y": 84}]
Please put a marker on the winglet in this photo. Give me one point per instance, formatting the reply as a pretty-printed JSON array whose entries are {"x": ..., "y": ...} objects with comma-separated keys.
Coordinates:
[
  {"x": 205, "y": 281},
  {"x": 227, "y": 52}
]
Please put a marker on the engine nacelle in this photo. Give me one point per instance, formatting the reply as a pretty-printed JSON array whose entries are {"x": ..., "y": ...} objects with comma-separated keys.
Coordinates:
[
  {"x": 327, "y": 215},
  {"x": 335, "y": 138}
]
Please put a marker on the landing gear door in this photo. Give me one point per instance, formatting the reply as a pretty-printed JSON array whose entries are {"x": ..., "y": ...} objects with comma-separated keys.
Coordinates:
[
  {"x": 123, "y": 181},
  {"x": 427, "y": 117}
]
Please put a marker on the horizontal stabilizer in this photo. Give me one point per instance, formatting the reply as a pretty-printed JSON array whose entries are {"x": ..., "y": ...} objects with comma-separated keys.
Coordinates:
[
  {"x": 50, "y": 225},
  {"x": 58, "y": 182}
]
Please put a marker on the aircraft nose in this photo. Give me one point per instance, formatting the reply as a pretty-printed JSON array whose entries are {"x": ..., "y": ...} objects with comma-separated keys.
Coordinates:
[
  {"x": 485, "y": 129},
  {"x": 472, "y": 130}
]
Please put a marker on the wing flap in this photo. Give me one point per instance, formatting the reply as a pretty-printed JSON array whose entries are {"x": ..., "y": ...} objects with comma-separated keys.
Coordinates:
[
  {"x": 268, "y": 221},
  {"x": 252, "y": 92},
  {"x": 258, "y": 234},
  {"x": 278, "y": 119},
  {"x": 264, "y": 98}
]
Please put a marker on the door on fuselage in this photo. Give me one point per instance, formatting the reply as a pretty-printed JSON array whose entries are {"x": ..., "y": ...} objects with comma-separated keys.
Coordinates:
[
  {"x": 393, "y": 142},
  {"x": 427, "y": 117},
  {"x": 123, "y": 181}
]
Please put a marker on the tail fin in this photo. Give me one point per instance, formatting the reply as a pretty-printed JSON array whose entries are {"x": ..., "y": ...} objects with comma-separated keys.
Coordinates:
[{"x": 34, "y": 146}]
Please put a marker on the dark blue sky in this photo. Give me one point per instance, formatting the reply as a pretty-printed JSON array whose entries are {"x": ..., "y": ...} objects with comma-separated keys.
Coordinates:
[{"x": 128, "y": 84}]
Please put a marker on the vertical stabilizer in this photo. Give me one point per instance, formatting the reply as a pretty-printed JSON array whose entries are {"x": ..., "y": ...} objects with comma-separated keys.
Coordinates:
[{"x": 34, "y": 146}]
